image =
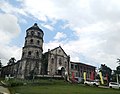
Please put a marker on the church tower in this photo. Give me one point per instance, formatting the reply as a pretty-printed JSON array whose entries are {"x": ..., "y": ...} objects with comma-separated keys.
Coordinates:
[{"x": 32, "y": 52}]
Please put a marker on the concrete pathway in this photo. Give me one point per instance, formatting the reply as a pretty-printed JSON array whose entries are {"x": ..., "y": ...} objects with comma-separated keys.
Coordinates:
[{"x": 4, "y": 90}]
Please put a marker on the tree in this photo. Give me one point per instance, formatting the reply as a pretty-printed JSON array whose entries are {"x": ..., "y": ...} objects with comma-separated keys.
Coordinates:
[
  {"x": 118, "y": 61},
  {"x": 0, "y": 68},
  {"x": 118, "y": 67},
  {"x": 106, "y": 71},
  {"x": 0, "y": 64},
  {"x": 116, "y": 74},
  {"x": 11, "y": 61}
]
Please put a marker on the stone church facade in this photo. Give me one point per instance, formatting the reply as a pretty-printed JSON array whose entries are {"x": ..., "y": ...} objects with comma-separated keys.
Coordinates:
[
  {"x": 55, "y": 62},
  {"x": 33, "y": 61}
]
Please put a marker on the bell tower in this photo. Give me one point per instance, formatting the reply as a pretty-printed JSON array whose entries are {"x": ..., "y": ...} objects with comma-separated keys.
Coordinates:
[{"x": 32, "y": 51}]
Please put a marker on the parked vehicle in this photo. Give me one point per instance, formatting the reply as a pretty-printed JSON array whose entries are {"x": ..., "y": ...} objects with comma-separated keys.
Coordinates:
[
  {"x": 114, "y": 85},
  {"x": 92, "y": 82},
  {"x": 79, "y": 80}
]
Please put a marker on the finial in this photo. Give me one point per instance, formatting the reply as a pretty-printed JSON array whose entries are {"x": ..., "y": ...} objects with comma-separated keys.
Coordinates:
[{"x": 35, "y": 24}]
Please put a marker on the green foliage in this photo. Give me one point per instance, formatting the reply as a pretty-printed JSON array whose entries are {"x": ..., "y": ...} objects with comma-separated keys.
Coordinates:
[
  {"x": 118, "y": 70},
  {"x": 54, "y": 87},
  {"x": 16, "y": 83},
  {"x": 0, "y": 64},
  {"x": 21, "y": 82},
  {"x": 61, "y": 87},
  {"x": 105, "y": 70},
  {"x": 11, "y": 61},
  {"x": 115, "y": 73},
  {"x": 12, "y": 82}
]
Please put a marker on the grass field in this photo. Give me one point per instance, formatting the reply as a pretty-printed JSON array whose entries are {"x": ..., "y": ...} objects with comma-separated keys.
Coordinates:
[{"x": 61, "y": 87}]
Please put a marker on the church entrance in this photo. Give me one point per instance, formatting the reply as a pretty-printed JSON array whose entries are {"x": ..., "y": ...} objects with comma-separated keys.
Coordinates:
[{"x": 61, "y": 71}]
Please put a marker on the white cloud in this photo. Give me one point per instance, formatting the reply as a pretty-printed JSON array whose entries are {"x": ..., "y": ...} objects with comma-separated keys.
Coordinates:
[
  {"x": 8, "y": 8},
  {"x": 9, "y": 29},
  {"x": 9, "y": 51},
  {"x": 60, "y": 35},
  {"x": 48, "y": 27},
  {"x": 96, "y": 23}
]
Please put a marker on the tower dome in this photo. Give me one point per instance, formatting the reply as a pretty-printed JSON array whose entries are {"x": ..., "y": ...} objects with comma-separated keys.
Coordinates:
[
  {"x": 33, "y": 42},
  {"x": 35, "y": 27}
]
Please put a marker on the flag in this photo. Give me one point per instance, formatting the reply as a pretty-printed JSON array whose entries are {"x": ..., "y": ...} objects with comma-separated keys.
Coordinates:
[
  {"x": 101, "y": 78},
  {"x": 92, "y": 75},
  {"x": 84, "y": 76},
  {"x": 107, "y": 77},
  {"x": 73, "y": 76}
]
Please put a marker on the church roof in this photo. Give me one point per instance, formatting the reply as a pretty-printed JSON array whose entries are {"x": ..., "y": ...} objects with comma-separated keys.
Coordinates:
[
  {"x": 82, "y": 64},
  {"x": 35, "y": 27},
  {"x": 56, "y": 49}
]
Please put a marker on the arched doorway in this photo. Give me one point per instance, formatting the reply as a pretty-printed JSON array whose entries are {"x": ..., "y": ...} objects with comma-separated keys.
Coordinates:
[{"x": 61, "y": 71}]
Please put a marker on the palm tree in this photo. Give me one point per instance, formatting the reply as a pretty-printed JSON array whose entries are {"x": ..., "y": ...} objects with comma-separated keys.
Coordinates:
[{"x": 118, "y": 61}]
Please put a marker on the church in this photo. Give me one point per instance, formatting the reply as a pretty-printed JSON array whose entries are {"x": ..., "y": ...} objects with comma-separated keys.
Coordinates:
[{"x": 55, "y": 62}]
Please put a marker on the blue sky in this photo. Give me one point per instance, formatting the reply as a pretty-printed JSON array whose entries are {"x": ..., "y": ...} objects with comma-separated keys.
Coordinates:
[{"x": 88, "y": 30}]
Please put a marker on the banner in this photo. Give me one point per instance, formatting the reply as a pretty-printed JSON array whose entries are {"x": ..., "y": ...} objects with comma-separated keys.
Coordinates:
[
  {"x": 92, "y": 75},
  {"x": 84, "y": 76},
  {"x": 73, "y": 76},
  {"x": 101, "y": 78}
]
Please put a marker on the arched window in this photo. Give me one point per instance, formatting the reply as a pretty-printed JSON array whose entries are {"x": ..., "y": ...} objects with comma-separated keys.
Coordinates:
[
  {"x": 37, "y": 54},
  {"x": 31, "y": 41},
  {"x": 32, "y": 33},
  {"x": 29, "y": 53},
  {"x": 38, "y": 42},
  {"x": 59, "y": 51},
  {"x": 60, "y": 61},
  {"x": 52, "y": 60},
  {"x": 38, "y": 34},
  {"x": 27, "y": 33},
  {"x": 25, "y": 41},
  {"x": 23, "y": 54}
]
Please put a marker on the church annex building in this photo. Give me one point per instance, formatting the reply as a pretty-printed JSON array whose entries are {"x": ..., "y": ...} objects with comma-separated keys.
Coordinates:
[{"x": 55, "y": 62}]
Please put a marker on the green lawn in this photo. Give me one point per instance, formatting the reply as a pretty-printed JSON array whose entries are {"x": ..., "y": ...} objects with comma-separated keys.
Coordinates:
[{"x": 62, "y": 88}]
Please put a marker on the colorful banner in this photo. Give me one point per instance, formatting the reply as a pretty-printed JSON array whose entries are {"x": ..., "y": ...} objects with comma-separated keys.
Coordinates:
[
  {"x": 107, "y": 77},
  {"x": 84, "y": 76},
  {"x": 73, "y": 76},
  {"x": 101, "y": 78},
  {"x": 92, "y": 75}
]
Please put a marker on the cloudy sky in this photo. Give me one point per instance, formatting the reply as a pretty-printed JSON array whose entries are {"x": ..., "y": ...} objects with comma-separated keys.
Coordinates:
[{"x": 88, "y": 30}]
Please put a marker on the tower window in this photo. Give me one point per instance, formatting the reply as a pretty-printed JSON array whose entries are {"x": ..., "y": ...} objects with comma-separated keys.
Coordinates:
[
  {"x": 37, "y": 53},
  {"x": 29, "y": 53},
  {"x": 23, "y": 54},
  {"x": 38, "y": 34},
  {"x": 31, "y": 41},
  {"x": 38, "y": 42},
  {"x": 25, "y": 41},
  {"x": 27, "y": 33},
  {"x": 32, "y": 33}
]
